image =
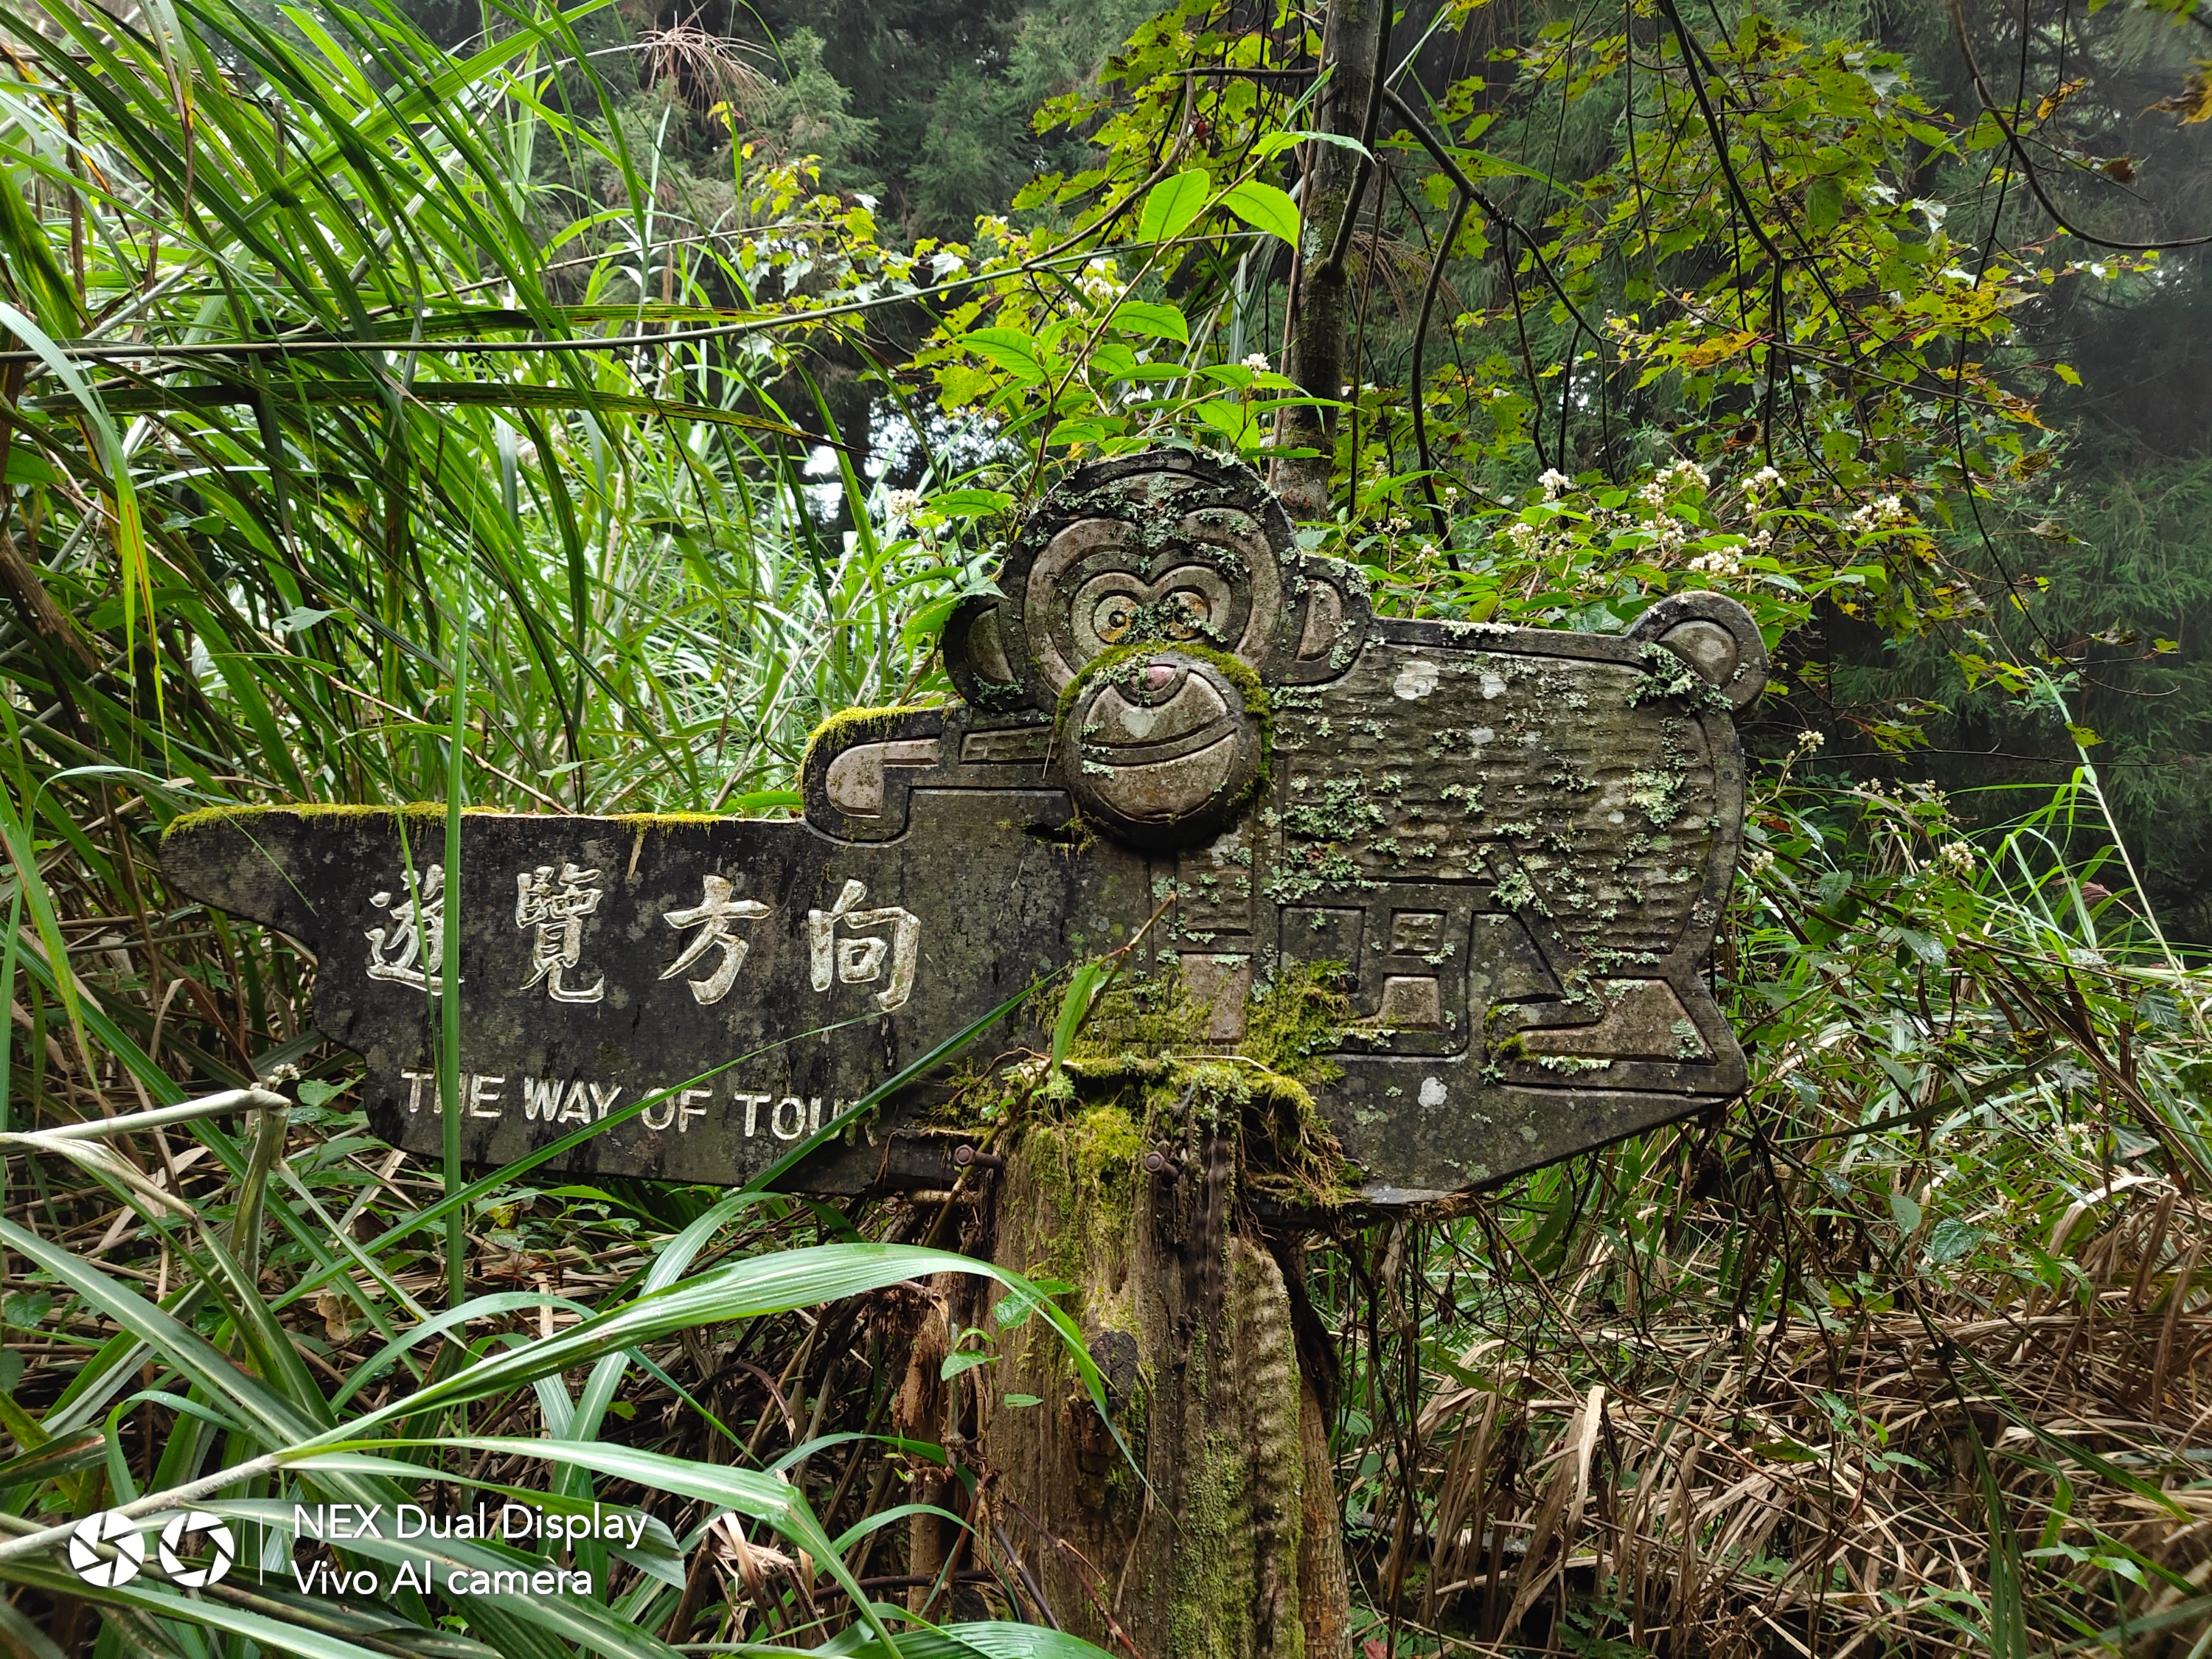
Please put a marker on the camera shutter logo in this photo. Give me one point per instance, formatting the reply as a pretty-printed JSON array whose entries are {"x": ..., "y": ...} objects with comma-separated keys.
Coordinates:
[
  {"x": 126, "y": 1555},
  {"x": 183, "y": 1533}
]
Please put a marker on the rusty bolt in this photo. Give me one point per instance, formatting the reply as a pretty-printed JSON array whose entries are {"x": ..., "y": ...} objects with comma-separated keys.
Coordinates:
[
  {"x": 966, "y": 1156},
  {"x": 1160, "y": 1161}
]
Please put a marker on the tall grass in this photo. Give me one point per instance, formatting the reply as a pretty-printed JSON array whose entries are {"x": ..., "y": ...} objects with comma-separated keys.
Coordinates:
[
  {"x": 261, "y": 505},
  {"x": 267, "y": 537}
]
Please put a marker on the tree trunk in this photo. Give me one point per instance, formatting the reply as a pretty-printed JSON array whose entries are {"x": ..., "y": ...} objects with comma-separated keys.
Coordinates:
[
  {"x": 1228, "y": 1545},
  {"x": 1352, "y": 42}
]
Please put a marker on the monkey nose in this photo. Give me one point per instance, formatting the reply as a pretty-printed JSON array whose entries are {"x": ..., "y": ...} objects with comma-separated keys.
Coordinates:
[{"x": 1158, "y": 677}]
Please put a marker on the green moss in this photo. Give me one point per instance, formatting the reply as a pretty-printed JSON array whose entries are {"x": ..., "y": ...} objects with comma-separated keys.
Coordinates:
[
  {"x": 1238, "y": 672},
  {"x": 1088, "y": 1167},
  {"x": 1144, "y": 1018},
  {"x": 643, "y": 821},
  {"x": 855, "y": 725},
  {"x": 421, "y": 811},
  {"x": 1299, "y": 1020},
  {"x": 1210, "y": 1614}
]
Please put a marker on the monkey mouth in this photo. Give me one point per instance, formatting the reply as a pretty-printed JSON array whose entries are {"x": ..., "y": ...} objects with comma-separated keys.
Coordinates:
[
  {"x": 1160, "y": 710},
  {"x": 1156, "y": 753}
]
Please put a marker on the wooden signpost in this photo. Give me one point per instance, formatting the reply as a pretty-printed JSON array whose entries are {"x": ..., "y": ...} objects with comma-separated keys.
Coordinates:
[{"x": 1514, "y": 843}]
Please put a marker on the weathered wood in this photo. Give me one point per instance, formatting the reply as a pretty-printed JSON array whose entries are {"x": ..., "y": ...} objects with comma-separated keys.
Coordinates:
[
  {"x": 1227, "y": 1544},
  {"x": 1513, "y": 847}
]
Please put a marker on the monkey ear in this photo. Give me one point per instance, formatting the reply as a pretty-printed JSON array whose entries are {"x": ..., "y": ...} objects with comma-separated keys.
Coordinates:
[
  {"x": 1714, "y": 635},
  {"x": 976, "y": 659},
  {"x": 1325, "y": 616}
]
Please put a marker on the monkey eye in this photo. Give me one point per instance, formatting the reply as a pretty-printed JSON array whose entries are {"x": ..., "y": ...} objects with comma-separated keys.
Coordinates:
[
  {"x": 1188, "y": 613},
  {"x": 1113, "y": 619}
]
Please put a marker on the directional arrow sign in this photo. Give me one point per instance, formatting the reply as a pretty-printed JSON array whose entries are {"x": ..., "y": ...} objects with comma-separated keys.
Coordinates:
[{"x": 1512, "y": 844}]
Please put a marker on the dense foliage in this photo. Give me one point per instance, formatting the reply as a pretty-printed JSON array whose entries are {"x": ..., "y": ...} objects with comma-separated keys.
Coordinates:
[{"x": 531, "y": 423}]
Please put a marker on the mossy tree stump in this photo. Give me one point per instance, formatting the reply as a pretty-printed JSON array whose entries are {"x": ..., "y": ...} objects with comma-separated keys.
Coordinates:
[{"x": 1141, "y": 1185}]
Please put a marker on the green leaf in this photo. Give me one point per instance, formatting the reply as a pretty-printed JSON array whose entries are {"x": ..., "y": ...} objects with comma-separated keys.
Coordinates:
[
  {"x": 149, "y": 1595},
  {"x": 1951, "y": 1239},
  {"x": 737, "y": 1290},
  {"x": 1824, "y": 203},
  {"x": 979, "y": 1641},
  {"x": 2067, "y": 373},
  {"x": 1264, "y": 208},
  {"x": 1143, "y": 316},
  {"x": 767, "y": 1498},
  {"x": 1114, "y": 360},
  {"x": 1905, "y": 1212},
  {"x": 969, "y": 503},
  {"x": 1023, "y": 1399},
  {"x": 922, "y": 629},
  {"x": 1009, "y": 348},
  {"x": 1232, "y": 420},
  {"x": 1925, "y": 947},
  {"x": 252, "y": 1399},
  {"x": 956, "y": 1363},
  {"x": 1075, "y": 1007},
  {"x": 1171, "y": 204},
  {"x": 1275, "y": 143},
  {"x": 1785, "y": 1451}
]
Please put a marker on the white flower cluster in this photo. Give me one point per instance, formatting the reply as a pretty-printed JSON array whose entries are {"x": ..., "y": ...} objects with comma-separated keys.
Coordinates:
[
  {"x": 900, "y": 505},
  {"x": 1809, "y": 739},
  {"x": 1759, "y": 860},
  {"x": 1764, "y": 482},
  {"x": 1721, "y": 561},
  {"x": 1257, "y": 362},
  {"x": 1680, "y": 475},
  {"x": 1555, "y": 484},
  {"x": 1955, "y": 858},
  {"x": 1097, "y": 282},
  {"x": 1524, "y": 537},
  {"x": 1877, "y": 514}
]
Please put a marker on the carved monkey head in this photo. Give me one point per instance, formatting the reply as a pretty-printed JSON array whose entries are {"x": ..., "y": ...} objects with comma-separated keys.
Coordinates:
[{"x": 1147, "y": 605}]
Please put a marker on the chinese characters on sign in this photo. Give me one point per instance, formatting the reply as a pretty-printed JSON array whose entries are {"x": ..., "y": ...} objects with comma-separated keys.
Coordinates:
[
  {"x": 553, "y": 908},
  {"x": 715, "y": 916},
  {"x": 416, "y": 941},
  {"x": 860, "y": 961},
  {"x": 557, "y": 913}
]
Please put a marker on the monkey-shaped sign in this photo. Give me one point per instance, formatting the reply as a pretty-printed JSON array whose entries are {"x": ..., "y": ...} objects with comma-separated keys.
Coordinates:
[{"x": 1513, "y": 845}]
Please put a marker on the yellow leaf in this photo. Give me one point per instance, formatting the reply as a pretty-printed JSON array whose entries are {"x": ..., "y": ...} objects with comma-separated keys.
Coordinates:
[
  {"x": 1718, "y": 350},
  {"x": 2193, "y": 103}
]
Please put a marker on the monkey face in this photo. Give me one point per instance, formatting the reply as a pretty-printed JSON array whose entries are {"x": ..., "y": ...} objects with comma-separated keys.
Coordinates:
[{"x": 1148, "y": 605}]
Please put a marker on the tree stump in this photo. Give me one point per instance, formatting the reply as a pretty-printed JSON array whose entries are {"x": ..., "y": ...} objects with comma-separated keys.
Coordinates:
[{"x": 1229, "y": 1544}]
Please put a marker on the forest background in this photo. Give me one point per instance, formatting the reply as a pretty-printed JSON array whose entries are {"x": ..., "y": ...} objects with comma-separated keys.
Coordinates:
[{"x": 568, "y": 410}]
